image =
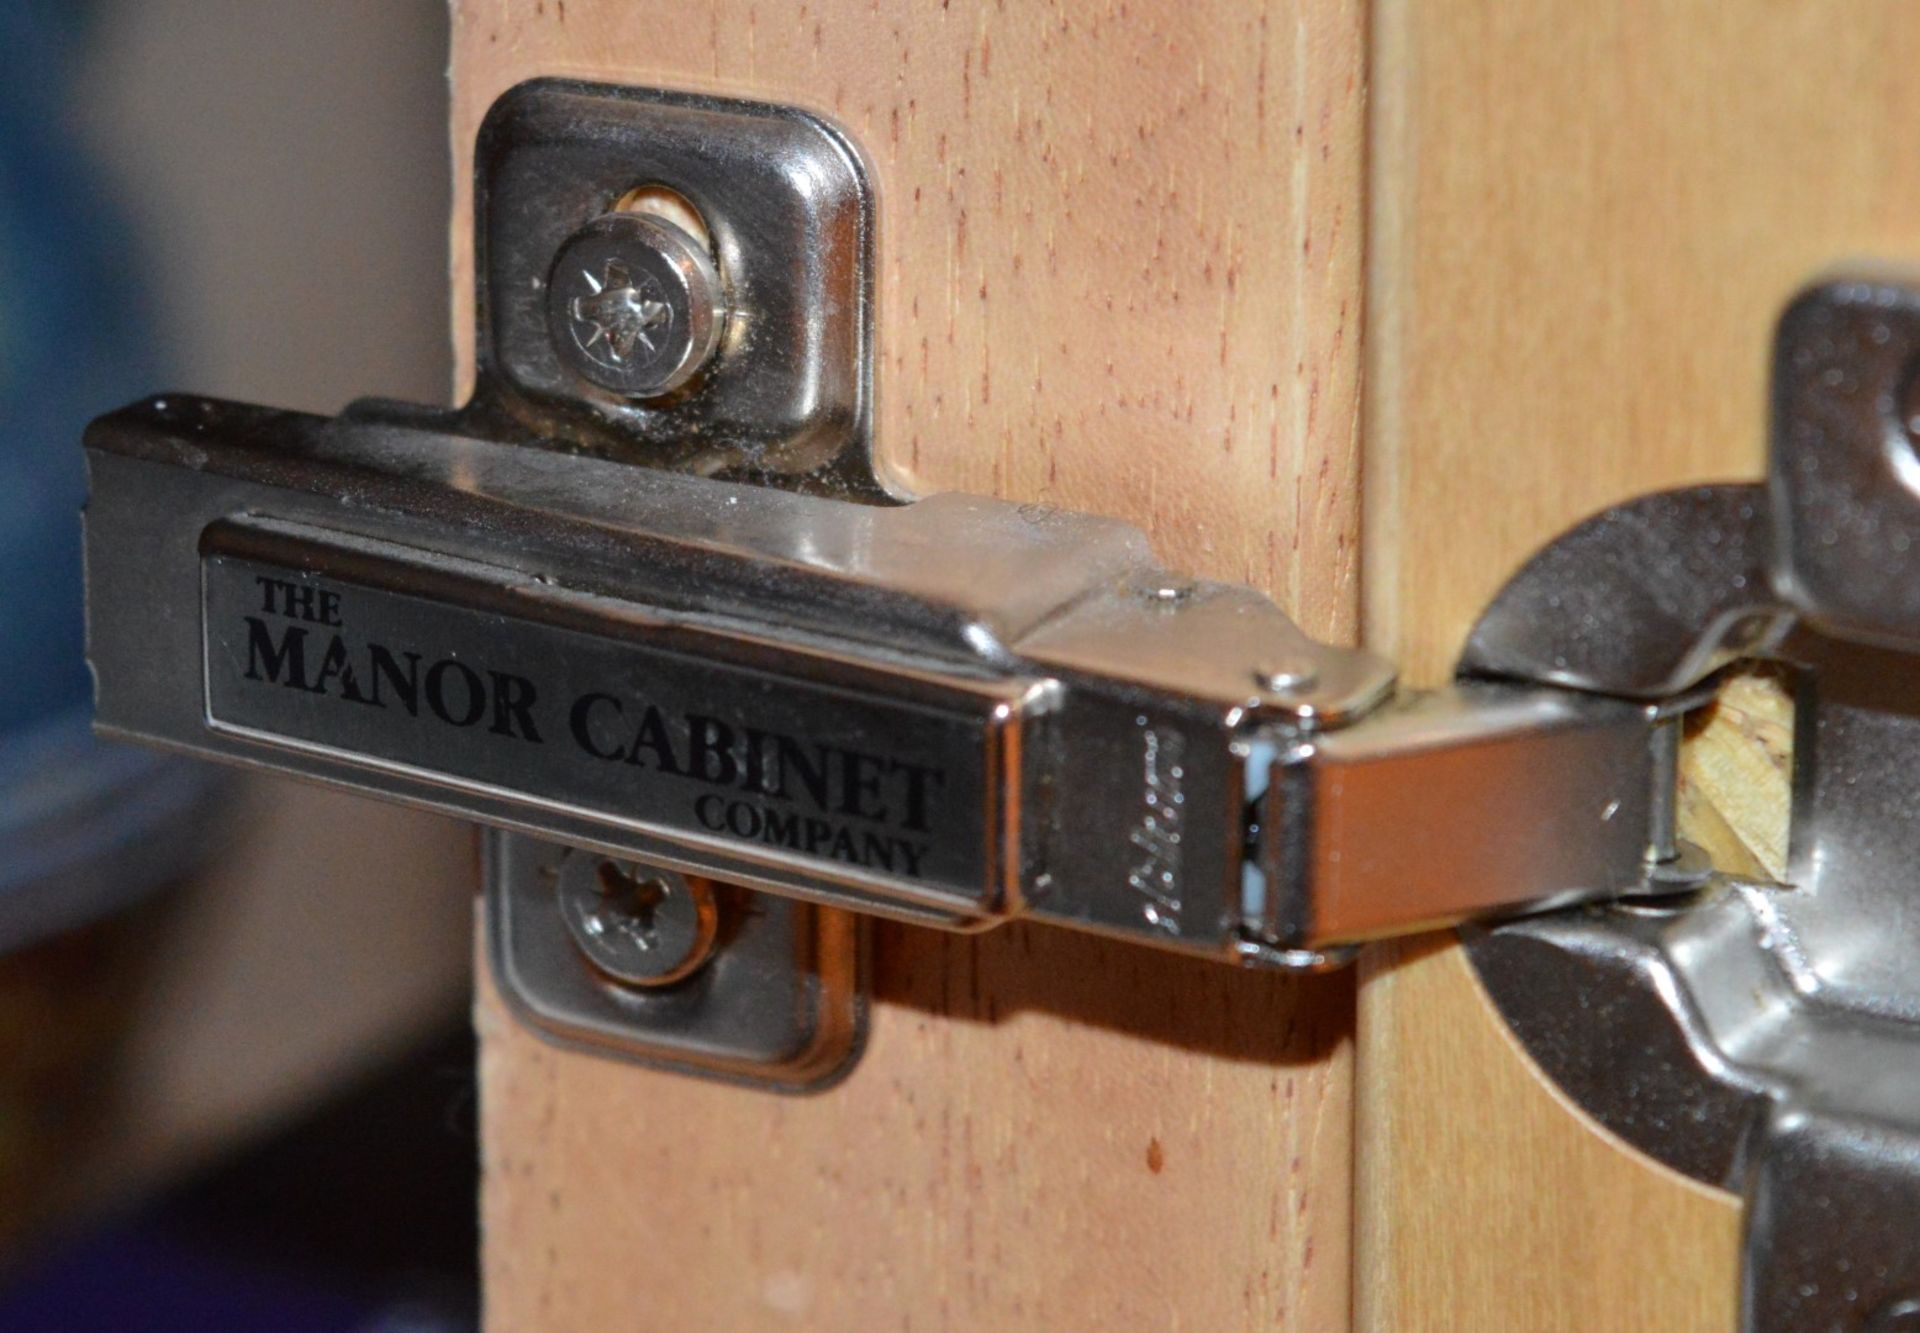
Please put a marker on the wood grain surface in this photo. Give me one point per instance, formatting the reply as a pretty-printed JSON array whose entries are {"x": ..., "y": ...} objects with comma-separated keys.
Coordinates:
[
  {"x": 1584, "y": 219},
  {"x": 1120, "y": 269}
]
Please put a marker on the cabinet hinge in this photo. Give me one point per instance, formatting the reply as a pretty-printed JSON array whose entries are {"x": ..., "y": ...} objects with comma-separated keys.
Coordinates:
[
  {"x": 646, "y": 608},
  {"x": 686, "y": 622}
]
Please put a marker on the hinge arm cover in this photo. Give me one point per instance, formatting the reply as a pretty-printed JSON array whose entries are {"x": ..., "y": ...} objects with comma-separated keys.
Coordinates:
[{"x": 958, "y": 710}]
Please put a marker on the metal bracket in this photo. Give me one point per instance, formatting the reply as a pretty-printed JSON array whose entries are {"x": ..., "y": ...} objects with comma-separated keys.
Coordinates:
[
  {"x": 775, "y": 998},
  {"x": 1761, "y": 1037},
  {"x": 787, "y": 215},
  {"x": 783, "y": 201}
]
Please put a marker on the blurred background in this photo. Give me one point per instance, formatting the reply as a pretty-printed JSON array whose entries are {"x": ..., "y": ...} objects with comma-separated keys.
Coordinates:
[{"x": 235, "y": 1070}]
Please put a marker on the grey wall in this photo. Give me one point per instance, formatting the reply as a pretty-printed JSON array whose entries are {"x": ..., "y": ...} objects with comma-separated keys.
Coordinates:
[{"x": 285, "y": 162}]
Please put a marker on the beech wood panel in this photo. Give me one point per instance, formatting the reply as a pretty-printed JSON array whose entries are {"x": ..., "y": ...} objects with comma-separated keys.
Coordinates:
[
  {"x": 1584, "y": 220},
  {"x": 1120, "y": 269}
]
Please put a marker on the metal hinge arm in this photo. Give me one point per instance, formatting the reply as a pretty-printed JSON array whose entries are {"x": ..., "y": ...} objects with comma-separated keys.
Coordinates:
[
  {"x": 1149, "y": 755},
  {"x": 1481, "y": 799}
]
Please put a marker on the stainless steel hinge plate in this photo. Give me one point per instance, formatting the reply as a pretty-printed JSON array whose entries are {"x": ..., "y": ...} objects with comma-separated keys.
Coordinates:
[
  {"x": 1762, "y": 1037},
  {"x": 780, "y": 204},
  {"x": 775, "y": 997},
  {"x": 774, "y": 993}
]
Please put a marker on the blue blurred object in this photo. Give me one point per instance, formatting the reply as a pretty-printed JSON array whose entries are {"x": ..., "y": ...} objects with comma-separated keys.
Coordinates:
[
  {"x": 358, "y": 1217},
  {"x": 75, "y": 340},
  {"x": 138, "y": 1281},
  {"x": 84, "y": 825},
  {"x": 87, "y": 828},
  {"x": 141, "y": 1278}
]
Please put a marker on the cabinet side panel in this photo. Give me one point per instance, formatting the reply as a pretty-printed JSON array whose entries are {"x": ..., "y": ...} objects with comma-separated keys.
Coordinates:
[{"x": 1119, "y": 270}]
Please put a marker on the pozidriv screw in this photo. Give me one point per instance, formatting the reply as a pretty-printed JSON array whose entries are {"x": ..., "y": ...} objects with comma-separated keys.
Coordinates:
[
  {"x": 634, "y": 304},
  {"x": 638, "y": 924}
]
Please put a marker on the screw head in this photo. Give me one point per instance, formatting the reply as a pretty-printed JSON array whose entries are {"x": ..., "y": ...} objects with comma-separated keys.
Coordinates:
[
  {"x": 1286, "y": 676},
  {"x": 633, "y": 305},
  {"x": 638, "y": 924}
]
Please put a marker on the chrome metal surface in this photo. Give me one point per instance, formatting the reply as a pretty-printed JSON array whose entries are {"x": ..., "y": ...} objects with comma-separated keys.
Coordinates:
[
  {"x": 1760, "y": 1037},
  {"x": 1643, "y": 600},
  {"x": 955, "y": 711},
  {"x": 1401, "y": 821},
  {"x": 1832, "y": 1200},
  {"x": 1845, "y": 481},
  {"x": 643, "y": 925},
  {"x": 634, "y": 305},
  {"x": 483, "y": 678},
  {"x": 787, "y": 396},
  {"x": 1287, "y": 676},
  {"x": 780, "y": 1003}
]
